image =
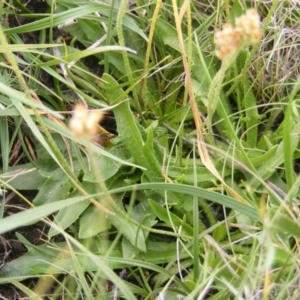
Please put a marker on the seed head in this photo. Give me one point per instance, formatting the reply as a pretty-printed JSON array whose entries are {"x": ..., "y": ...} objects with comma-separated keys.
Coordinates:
[
  {"x": 232, "y": 38},
  {"x": 85, "y": 123}
]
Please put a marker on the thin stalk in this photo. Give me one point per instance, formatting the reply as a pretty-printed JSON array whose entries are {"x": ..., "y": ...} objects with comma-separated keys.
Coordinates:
[
  {"x": 122, "y": 10},
  {"x": 5, "y": 157},
  {"x": 214, "y": 93},
  {"x": 149, "y": 47},
  {"x": 13, "y": 63},
  {"x": 186, "y": 94},
  {"x": 51, "y": 22},
  {"x": 195, "y": 224},
  {"x": 108, "y": 38},
  {"x": 149, "y": 54},
  {"x": 266, "y": 22},
  {"x": 227, "y": 9}
]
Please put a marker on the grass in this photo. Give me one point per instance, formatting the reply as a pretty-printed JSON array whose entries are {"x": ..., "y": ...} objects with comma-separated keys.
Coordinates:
[{"x": 190, "y": 188}]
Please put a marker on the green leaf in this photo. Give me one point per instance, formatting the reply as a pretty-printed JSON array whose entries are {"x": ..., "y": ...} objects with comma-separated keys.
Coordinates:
[
  {"x": 142, "y": 153},
  {"x": 85, "y": 31},
  {"x": 257, "y": 161},
  {"x": 269, "y": 166},
  {"x": 198, "y": 192},
  {"x": 59, "y": 18},
  {"x": 36, "y": 214},
  {"x": 285, "y": 224},
  {"x": 107, "y": 167},
  {"x": 186, "y": 174},
  {"x": 84, "y": 53},
  {"x": 252, "y": 116},
  {"x": 48, "y": 259},
  {"x": 36, "y": 261},
  {"x": 128, "y": 250},
  {"x": 288, "y": 147},
  {"x": 134, "y": 234},
  {"x": 67, "y": 216},
  {"x": 44, "y": 259},
  {"x": 25, "y": 177},
  {"x": 57, "y": 186},
  {"x": 170, "y": 218},
  {"x": 92, "y": 222}
]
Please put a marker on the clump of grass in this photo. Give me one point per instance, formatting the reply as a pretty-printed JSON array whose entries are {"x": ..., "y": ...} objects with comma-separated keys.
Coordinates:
[{"x": 152, "y": 205}]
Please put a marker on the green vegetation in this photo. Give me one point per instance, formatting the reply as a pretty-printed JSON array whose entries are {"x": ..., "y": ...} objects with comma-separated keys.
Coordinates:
[{"x": 190, "y": 188}]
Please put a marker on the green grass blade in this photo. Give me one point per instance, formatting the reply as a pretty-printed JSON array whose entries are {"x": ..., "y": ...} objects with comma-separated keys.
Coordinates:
[
  {"x": 59, "y": 18},
  {"x": 198, "y": 192},
  {"x": 33, "y": 215},
  {"x": 287, "y": 145}
]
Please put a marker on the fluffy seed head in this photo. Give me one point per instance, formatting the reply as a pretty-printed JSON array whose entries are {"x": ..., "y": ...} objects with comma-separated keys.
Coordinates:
[
  {"x": 232, "y": 38},
  {"x": 85, "y": 123}
]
